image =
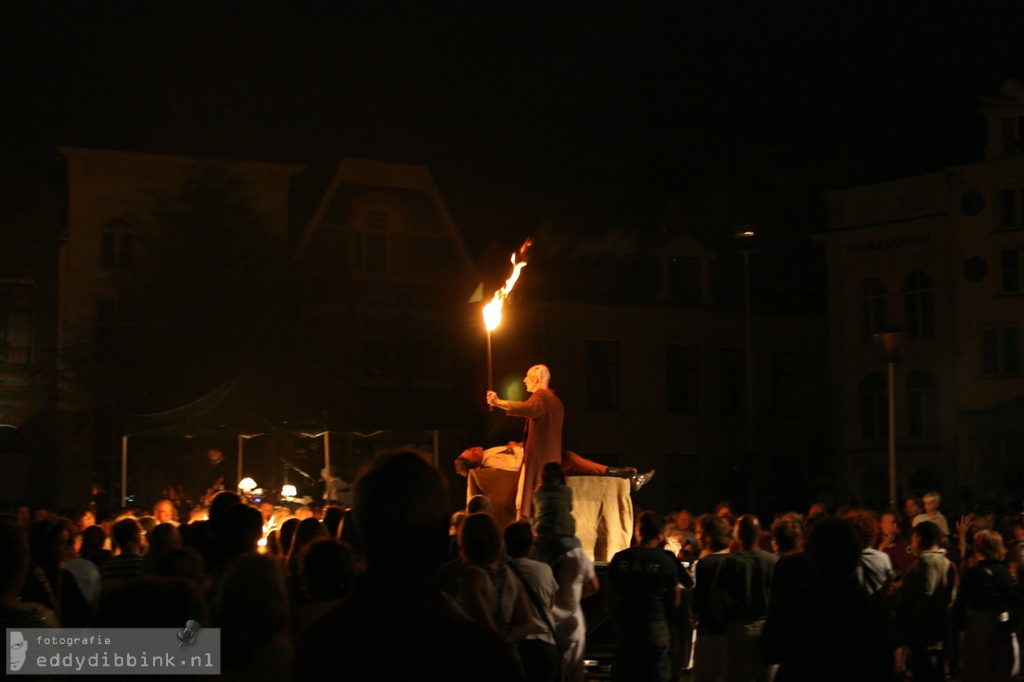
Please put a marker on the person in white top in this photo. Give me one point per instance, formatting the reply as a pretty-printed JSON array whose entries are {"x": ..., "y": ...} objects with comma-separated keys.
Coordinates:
[
  {"x": 539, "y": 652},
  {"x": 931, "y": 513},
  {"x": 576, "y": 579}
]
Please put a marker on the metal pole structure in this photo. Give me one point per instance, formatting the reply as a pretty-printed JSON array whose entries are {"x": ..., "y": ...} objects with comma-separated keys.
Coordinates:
[
  {"x": 241, "y": 449},
  {"x": 750, "y": 354},
  {"x": 490, "y": 369},
  {"x": 892, "y": 434},
  {"x": 124, "y": 471},
  {"x": 891, "y": 341},
  {"x": 327, "y": 452},
  {"x": 437, "y": 446},
  {"x": 744, "y": 236}
]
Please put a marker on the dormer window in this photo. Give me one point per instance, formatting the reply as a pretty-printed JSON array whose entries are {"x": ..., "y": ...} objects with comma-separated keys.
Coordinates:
[
  {"x": 116, "y": 244},
  {"x": 372, "y": 243}
]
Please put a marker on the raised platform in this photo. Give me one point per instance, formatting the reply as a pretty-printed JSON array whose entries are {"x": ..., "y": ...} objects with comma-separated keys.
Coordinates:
[{"x": 601, "y": 506}]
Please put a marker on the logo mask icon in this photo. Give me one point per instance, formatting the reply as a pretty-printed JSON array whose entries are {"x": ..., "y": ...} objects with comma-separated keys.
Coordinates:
[
  {"x": 19, "y": 650},
  {"x": 188, "y": 635}
]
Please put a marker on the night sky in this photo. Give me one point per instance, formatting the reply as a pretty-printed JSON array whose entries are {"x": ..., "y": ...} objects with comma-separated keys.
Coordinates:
[{"x": 654, "y": 118}]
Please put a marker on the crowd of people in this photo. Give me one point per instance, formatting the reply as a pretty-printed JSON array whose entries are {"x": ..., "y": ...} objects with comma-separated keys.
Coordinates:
[
  {"x": 848, "y": 594},
  {"x": 398, "y": 587}
]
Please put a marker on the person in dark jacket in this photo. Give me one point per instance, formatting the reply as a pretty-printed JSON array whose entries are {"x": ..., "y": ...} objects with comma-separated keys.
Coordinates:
[{"x": 986, "y": 610}]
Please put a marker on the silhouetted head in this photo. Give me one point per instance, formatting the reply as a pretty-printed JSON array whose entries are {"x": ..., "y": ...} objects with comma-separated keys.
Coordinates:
[
  {"x": 479, "y": 540},
  {"x": 650, "y": 526},
  {"x": 518, "y": 539},
  {"x": 833, "y": 548},
  {"x": 714, "y": 532},
  {"x": 926, "y": 535},
  {"x": 552, "y": 473},
  {"x": 748, "y": 531},
  {"x": 400, "y": 514}
]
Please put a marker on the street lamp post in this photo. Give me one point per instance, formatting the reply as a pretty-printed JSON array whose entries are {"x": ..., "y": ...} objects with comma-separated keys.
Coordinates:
[
  {"x": 745, "y": 235},
  {"x": 891, "y": 341},
  {"x": 743, "y": 481}
]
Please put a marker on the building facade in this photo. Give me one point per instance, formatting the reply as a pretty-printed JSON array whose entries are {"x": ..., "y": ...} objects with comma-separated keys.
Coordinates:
[{"x": 940, "y": 256}]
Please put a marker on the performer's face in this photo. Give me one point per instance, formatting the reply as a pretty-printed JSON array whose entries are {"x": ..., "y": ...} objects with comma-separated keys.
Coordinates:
[{"x": 532, "y": 384}]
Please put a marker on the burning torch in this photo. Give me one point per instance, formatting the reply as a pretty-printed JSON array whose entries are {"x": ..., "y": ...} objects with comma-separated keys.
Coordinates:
[{"x": 492, "y": 311}]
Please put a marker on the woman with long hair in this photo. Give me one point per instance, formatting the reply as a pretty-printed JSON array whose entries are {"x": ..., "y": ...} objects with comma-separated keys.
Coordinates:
[{"x": 489, "y": 591}]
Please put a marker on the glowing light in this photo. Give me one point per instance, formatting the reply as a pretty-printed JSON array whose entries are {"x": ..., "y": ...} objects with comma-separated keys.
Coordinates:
[
  {"x": 288, "y": 491},
  {"x": 247, "y": 485},
  {"x": 492, "y": 311}
]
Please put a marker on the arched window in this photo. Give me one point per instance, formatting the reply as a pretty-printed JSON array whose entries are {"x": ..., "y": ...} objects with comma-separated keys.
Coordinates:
[
  {"x": 870, "y": 307},
  {"x": 917, "y": 304},
  {"x": 117, "y": 243},
  {"x": 922, "y": 404},
  {"x": 873, "y": 397},
  {"x": 373, "y": 248}
]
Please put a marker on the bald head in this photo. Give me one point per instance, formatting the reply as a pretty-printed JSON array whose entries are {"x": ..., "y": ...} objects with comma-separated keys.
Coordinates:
[
  {"x": 537, "y": 377},
  {"x": 748, "y": 531}
]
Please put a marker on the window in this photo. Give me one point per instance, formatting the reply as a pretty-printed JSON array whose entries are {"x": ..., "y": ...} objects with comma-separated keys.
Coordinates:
[
  {"x": 15, "y": 323},
  {"x": 1010, "y": 261},
  {"x": 371, "y": 247},
  {"x": 917, "y": 302},
  {"x": 1011, "y": 208},
  {"x": 602, "y": 366},
  {"x": 733, "y": 374},
  {"x": 682, "y": 378},
  {"x": 1013, "y": 134},
  {"x": 871, "y": 307},
  {"x": 873, "y": 397},
  {"x": 1000, "y": 351},
  {"x": 787, "y": 384},
  {"x": 684, "y": 280},
  {"x": 117, "y": 244},
  {"x": 922, "y": 404}
]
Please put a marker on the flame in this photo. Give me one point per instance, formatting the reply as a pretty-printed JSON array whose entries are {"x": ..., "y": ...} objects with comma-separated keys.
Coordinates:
[{"x": 492, "y": 311}]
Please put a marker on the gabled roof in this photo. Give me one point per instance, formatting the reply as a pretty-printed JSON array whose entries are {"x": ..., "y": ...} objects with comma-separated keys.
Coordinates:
[{"x": 384, "y": 174}]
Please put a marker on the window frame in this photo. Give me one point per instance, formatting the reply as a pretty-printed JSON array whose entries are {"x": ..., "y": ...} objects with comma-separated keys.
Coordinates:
[
  {"x": 873, "y": 406},
  {"x": 922, "y": 404},
  {"x": 871, "y": 307},
  {"x": 919, "y": 305},
  {"x": 682, "y": 367},
  {"x": 999, "y": 351},
  {"x": 22, "y": 309}
]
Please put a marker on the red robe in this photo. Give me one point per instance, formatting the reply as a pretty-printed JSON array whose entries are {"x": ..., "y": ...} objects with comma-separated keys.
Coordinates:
[{"x": 543, "y": 441}]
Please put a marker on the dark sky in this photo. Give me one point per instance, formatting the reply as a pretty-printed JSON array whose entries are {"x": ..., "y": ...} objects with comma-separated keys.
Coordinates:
[{"x": 655, "y": 117}]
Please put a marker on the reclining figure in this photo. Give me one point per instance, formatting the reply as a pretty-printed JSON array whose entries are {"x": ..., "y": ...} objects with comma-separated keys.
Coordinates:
[{"x": 510, "y": 458}]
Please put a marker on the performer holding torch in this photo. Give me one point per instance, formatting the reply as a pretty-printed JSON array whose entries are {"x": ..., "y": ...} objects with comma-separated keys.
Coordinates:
[{"x": 544, "y": 413}]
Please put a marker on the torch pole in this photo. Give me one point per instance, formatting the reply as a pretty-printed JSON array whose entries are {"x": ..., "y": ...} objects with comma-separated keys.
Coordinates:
[{"x": 490, "y": 369}]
